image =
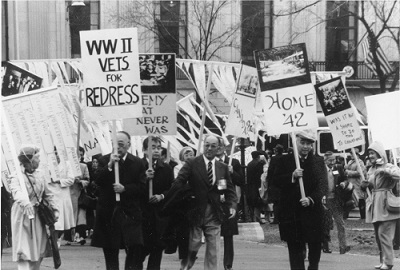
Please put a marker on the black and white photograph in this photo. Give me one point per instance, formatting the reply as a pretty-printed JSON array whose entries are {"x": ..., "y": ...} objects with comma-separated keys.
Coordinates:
[
  {"x": 248, "y": 84},
  {"x": 157, "y": 73},
  {"x": 18, "y": 80},
  {"x": 332, "y": 96},
  {"x": 282, "y": 66}
]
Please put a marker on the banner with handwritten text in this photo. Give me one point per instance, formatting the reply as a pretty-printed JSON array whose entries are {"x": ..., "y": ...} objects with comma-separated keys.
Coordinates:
[
  {"x": 240, "y": 122},
  {"x": 111, "y": 74},
  {"x": 339, "y": 113},
  {"x": 158, "y": 85}
]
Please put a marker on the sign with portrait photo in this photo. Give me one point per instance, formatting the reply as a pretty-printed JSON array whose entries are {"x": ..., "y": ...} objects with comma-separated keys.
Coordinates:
[
  {"x": 340, "y": 115},
  {"x": 287, "y": 94},
  {"x": 17, "y": 80},
  {"x": 240, "y": 122},
  {"x": 158, "y": 85}
]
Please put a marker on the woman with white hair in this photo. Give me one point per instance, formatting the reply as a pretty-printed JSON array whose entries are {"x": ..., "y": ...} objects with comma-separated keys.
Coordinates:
[
  {"x": 29, "y": 242},
  {"x": 382, "y": 178}
]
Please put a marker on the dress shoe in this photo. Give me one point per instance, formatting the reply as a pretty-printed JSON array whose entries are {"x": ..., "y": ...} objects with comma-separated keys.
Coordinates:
[
  {"x": 395, "y": 247},
  {"x": 378, "y": 266},
  {"x": 344, "y": 250},
  {"x": 326, "y": 250},
  {"x": 386, "y": 266}
]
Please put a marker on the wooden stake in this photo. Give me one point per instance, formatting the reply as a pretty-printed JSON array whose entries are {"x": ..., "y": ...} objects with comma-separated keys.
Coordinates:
[
  {"x": 150, "y": 156},
  {"x": 116, "y": 164},
  {"x": 296, "y": 158},
  {"x": 359, "y": 168}
]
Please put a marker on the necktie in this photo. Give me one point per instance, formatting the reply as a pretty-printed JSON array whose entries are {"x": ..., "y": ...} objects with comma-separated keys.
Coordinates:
[{"x": 210, "y": 173}]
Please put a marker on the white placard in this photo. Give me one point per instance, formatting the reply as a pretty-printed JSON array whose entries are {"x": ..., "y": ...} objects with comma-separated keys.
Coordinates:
[
  {"x": 110, "y": 62},
  {"x": 384, "y": 118}
]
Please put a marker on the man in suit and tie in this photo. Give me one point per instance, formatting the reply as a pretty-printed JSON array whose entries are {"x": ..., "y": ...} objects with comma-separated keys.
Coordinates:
[
  {"x": 229, "y": 227},
  {"x": 119, "y": 225},
  {"x": 209, "y": 179}
]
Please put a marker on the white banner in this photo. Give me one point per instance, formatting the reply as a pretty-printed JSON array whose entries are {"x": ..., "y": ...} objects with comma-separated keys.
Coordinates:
[
  {"x": 384, "y": 118},
  {"x": 110, "y": 62}
]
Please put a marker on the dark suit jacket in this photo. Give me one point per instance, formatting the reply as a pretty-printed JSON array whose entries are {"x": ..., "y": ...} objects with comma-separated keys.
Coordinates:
[
  {"x": 341, "y": 194},
  {"x": 124, "y": 228},
  {"x": 298, "y": 223},
  {"x": 194, "y": 173},
  {"x": 154, "y": 224},
  {"x": 230, "y": 226}
]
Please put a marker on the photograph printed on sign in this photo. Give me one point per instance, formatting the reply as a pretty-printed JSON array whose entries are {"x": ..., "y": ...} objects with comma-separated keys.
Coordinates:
[
  {"x": 248, "y": 82},
  {"x": 18, "y": 80},
  {"x": 157, "y": 73},
  {"x": 283, "y": 66},
  {"x": 332, "y": 96}
]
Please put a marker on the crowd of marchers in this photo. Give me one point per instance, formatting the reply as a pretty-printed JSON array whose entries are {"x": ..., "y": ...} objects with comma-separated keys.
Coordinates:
[{"x": 155, "y": 205}]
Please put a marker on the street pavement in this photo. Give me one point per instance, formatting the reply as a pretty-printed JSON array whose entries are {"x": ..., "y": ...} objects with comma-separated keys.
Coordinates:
[{"x": 248, "y": 256}]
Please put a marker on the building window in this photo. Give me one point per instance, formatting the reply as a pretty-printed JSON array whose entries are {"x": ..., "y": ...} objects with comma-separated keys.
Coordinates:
[
  {"x": 256, "y": 27},
  {"x": 341, "y": 33},
  {"x": 82, "y": 18},
  {"x": 168, "y": 26}
]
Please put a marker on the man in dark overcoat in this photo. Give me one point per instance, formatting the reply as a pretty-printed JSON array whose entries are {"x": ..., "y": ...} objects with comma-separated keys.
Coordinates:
[
  {"x": 119, "y": 225},
  {"x": 273, "y": 191},
  {"x": 154, "y": 225},
  {"x": 300, "y": 218},
  {"x": 209, "y": 179},
  {"x": 229, "y": 227},
  {"x": 255, "y": 169}
]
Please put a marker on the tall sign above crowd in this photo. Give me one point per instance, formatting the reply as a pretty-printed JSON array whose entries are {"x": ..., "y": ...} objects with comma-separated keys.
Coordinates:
[
  {"x": 286, "y": 89},
  {"x": 112, "y": 81}
]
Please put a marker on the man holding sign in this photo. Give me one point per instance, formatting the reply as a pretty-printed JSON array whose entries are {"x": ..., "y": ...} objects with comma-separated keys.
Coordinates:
[
  {"x": 300, "y": 218},
  {"x": 119, "y": 224}
]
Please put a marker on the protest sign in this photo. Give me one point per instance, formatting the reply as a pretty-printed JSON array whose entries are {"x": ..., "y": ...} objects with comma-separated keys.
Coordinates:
[
  {"x": 18, "y": 80},
  {"x": 384, "y": 118},
  {"x": 157, "y": 77},
  {"x": 39, "y": 118},
  {"x": 111, "y": 74},
  {"x": 339, "y": 113},
  {"x": 240, "y": 122},
  {"x": 286, "y": 90}
]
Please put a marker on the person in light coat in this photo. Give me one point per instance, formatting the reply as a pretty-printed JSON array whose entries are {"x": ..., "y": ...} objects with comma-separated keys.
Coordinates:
[
  {"x": 29, "y": 242},
  {"x": 354, "y": 177},
  {"x": 61, "y": 190},
  {"x": 382, "y": 178}
]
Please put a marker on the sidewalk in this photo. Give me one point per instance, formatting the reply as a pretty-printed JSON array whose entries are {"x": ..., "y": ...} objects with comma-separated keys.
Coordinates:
[{"x": 248, "y": 256}]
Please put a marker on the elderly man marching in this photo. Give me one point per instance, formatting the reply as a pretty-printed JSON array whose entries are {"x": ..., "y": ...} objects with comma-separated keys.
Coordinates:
[
  {"x": 300, "y": 218},
  {"x": 209, "y": 179}
]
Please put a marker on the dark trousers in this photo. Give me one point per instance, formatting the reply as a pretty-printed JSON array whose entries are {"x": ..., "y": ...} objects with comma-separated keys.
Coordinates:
[
  {"x": 296, "y": 256},
  {"x": 155, "y": 256},
  {"x": 132, "y": 261},
  {"x": 228, "y": 251}
]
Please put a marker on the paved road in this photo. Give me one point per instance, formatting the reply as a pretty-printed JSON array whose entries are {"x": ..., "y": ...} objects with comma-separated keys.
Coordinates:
[{"x": 249, "y": 256}]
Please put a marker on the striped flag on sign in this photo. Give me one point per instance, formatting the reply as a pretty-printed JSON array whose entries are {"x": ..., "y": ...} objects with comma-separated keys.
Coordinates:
[{"x": 369, "y": 58}]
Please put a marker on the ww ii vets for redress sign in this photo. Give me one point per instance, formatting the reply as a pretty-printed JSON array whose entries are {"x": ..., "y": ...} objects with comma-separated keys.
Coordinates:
[
  {"x": 112, "y": 80},
  {"x": 286, "y": 90}
]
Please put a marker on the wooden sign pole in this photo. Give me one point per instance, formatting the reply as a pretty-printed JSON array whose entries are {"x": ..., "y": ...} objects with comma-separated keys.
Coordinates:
[
  {"x": 116, "y": 164},
  {"x": 296, "y": 158},
  {"x": 150, "y": 156}
]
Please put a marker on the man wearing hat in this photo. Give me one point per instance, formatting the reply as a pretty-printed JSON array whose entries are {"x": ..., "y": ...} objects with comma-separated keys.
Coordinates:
[{"x": 300, "y": 218}]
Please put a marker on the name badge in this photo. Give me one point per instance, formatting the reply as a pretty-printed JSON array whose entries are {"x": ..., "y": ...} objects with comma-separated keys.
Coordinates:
[
  {"x": 335, "y": 172},
  {"x": 222, "y": 184}
]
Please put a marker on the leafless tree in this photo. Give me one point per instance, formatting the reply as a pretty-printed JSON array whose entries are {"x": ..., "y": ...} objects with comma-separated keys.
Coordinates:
[
  {"x": 385, "y": 11},
  {"x": 198, "y": 23}
]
